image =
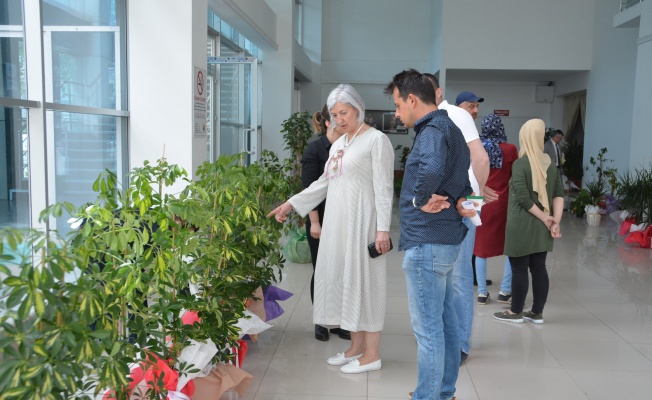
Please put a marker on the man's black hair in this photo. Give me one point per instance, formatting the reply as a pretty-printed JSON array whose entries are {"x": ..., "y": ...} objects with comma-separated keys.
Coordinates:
[
  {"x": 433, "y": 79},
  {"x": 411, "y": 81}
]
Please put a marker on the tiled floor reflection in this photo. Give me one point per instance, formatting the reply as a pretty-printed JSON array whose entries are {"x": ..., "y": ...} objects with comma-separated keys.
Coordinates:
[{"x": 596, "y": 342}]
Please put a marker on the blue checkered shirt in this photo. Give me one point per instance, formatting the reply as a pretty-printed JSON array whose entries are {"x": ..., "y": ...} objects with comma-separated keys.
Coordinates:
[{"x": 438, "y": 163}]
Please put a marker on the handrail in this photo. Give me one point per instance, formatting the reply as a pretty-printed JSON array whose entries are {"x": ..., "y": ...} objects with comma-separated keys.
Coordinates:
[{"x": 625, "y": 4}]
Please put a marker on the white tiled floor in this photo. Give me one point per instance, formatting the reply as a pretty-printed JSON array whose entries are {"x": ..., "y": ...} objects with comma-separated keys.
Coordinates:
[{"x": 596, "y": 342}]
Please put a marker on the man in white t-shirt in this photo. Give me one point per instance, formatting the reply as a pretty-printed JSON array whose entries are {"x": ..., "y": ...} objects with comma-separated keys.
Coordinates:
[{"x": 478, "y": 174}]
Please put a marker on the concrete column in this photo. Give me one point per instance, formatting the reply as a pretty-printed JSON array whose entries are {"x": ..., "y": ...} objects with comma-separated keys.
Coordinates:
[
  {"x": 278, "y": 78},
  {"x": 167, "y": 39},
  {"x": 640, "y": 154}
]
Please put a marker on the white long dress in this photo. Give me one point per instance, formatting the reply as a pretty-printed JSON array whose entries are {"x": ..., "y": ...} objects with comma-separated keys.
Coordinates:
[{"x": 350, "y": 286}]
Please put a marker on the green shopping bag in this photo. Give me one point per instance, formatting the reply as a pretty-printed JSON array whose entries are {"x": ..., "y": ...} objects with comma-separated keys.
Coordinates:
[{"x": 297, "y": 249}]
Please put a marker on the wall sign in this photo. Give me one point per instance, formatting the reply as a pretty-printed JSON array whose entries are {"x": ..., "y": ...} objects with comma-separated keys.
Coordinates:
[
  {"x": 199, "y": 102},
  {"x": 502, "y": 113}
]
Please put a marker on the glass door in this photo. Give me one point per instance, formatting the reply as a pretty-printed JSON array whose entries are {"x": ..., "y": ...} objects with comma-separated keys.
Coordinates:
[{"x": 233, "y": 102}]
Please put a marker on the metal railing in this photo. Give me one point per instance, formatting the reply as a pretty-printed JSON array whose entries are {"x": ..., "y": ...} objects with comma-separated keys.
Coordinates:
[{"x": 625, "y": 4}]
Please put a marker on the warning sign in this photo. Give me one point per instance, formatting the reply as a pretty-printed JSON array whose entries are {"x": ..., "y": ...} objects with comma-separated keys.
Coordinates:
[{"x": 199, "y": 102}]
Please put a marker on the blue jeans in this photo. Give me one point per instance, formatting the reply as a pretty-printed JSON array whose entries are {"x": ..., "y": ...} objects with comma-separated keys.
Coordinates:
[
  {"x": 428, "y": 272},
  {"x": 463, "y": 285},
  {"x": 481, "y": 275}
]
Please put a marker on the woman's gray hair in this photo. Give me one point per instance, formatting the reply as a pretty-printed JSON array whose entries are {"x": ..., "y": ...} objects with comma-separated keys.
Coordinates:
[{"x": 346, "y": 94}]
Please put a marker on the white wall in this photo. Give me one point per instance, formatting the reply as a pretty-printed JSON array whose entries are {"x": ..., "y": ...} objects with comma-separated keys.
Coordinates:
[
  {"x": 641, "y": 154},
  {"x": 610, "y": 89},
  {"x": 278, "y": 78},
  {"x": 162, "y": 54},
  {"x": 437, "y": 42},
  {"x": 517, "y": 97},
  {"x": 311, "y": 97},
  {"x": 368, "y": 41},
  {"x": 518, "y": 34}
]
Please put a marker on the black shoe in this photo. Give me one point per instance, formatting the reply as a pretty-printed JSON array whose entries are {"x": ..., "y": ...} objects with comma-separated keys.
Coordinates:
[
  {"x": 489, "y": 282},
  {"x": 504, "y": 298},
  {"x": 483, "y": 298},
  {"x": 342, "y": 333},
  {"x": 463, "y": 357},
  {"x": 321, "y": 333}
]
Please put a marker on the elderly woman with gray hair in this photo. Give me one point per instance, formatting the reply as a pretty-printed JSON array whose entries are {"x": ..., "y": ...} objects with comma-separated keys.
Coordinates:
[{"x": 350, "y": 285}]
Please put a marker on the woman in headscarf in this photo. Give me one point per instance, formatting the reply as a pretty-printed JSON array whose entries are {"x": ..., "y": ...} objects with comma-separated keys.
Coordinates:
[
  {"x": 535, "y": 207},
  {"x": 490, "y": 236}
]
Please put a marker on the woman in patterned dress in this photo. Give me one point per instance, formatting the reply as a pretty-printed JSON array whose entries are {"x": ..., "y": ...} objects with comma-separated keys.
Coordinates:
[{"x": 350, "y": 286}]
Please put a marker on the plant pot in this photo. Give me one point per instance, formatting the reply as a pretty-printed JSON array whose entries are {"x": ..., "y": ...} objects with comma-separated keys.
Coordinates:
[{"x": 593, "y": 219}]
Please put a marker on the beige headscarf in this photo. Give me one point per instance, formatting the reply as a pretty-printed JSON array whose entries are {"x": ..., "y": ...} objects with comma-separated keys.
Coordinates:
[{"x": 531, "y": 141}]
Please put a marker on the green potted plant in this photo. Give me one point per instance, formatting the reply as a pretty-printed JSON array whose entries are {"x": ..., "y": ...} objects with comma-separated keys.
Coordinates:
[
  {"x": 635, "y": 194},
  {"x": 135, "y": 256},
  {"x": 592, "y": 198},
  {"x": 404, "y": 152},
  {"x": 578, "y": 204},
  {"x": 297, "y": 131},
  {"x": 572, "y": 166}
]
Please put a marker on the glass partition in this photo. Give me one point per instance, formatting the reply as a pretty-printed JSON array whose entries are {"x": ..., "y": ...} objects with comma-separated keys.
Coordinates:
[
  {"x": 77, "y": 121},
  {"x": 83, "y": 66},
  {"x": 85, "y": 145},
  {"x": 14, "y": 168},
  {"x": 12, "y": 50}
]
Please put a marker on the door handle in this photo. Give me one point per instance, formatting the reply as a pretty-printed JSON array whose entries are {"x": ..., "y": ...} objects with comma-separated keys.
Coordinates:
[{"x": 246, "y": 141}]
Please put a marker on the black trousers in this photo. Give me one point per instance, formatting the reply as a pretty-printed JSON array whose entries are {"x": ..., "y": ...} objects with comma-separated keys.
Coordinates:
[
  {"x": 314, "y": 246},
  {"x": 520, "y": 281}
]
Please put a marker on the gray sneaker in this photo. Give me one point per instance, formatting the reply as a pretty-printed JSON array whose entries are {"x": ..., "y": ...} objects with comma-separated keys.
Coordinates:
[
  {"x": 483, "y": 298},
  {"x": 506, "y": 316},
  {"x": 505, "y": 298},
  {"x": 536, "y": 318}
]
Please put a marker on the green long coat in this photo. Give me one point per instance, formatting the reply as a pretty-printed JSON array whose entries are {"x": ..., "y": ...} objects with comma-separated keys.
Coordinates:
[{"x": 526, "y": 234}]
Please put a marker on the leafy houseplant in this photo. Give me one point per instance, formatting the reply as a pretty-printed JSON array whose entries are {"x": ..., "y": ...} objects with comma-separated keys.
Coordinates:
[
  {"x": 635, "y": 193},
  {"x": 135, "y": 258},
  {"x": 572, "y": 167},
  {"x": 577, "y": 205},
  {"x": 605, "y": 175},
  {"x": 297, "y": 131},
  {"x": 398, "y": 175}
]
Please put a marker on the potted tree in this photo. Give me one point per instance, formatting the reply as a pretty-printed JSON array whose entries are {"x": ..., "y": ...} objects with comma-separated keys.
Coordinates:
[
  {"x": 398, "y": 174},
  {"x": 572, "y": 166},
  {"x": 131, "y": 265},
  {"x": 297, "y": 130}
]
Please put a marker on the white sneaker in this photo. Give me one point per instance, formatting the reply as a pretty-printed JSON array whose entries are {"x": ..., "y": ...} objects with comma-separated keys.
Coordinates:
[{"x": 339, "y": 359}]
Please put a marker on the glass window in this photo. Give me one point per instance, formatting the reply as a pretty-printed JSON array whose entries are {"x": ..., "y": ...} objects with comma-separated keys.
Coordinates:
[
  {"x": 213, "y": 20},
  {"x": 84, "y": 72},
  {"x": 229, "y": 32},
  {"x": 80, "y": 12},
  {"x": 14, "y": 164},
  {"x": 235, "y": 102},
  {"x": 12, "y": 50},
  {"x": 83, "y": 128},
  {"x": 85, "y": 145}
]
